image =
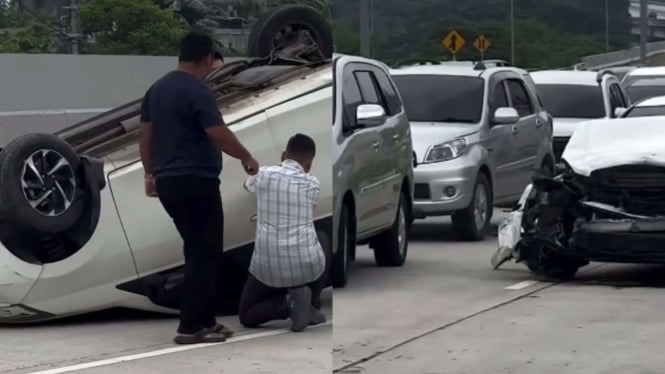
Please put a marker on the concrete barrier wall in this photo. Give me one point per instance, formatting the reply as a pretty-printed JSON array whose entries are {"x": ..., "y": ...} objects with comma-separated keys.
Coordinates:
[{"x": 49, "y": 92}]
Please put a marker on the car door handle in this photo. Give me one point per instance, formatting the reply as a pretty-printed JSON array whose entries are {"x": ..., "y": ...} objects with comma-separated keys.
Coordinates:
[
  {"x": 396, "y": 137},
  {"x": 376, "y": 144},
  {"x": 253, "y": 218},
  {"x": 515, "y": 130}
]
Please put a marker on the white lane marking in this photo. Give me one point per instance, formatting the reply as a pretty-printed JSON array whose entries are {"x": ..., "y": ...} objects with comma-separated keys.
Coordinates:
[
  {"x": 521, "y": 285},
  {"x": 166, "y": 351}
]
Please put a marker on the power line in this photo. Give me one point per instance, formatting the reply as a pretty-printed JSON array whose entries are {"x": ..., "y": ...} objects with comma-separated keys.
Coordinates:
[{"x": 40, "y": 19}]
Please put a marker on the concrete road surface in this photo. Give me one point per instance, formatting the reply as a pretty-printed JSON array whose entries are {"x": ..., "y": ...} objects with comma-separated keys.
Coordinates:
[
  {"x": 134, "y": 342},
  {"x": 447, "y": 312}
]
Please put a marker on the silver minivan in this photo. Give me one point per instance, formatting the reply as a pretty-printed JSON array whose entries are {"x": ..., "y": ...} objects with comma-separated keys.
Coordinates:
[
  {"x": 480, "y": 133},
  {"x": 372, "y": 165}
]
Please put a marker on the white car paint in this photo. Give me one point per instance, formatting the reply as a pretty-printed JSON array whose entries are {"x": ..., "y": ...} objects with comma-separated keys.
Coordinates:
[
  {"x": 602, "y": 144},
  {"x": 136, "y": 237}
]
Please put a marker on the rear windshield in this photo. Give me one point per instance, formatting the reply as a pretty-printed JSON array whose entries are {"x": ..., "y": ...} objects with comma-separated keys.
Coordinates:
[
  {"x": 572, "y": 101},
  {"x": 441, "y": 98},
  {"x": 639, "y": 89},
  {"x": 646, "y": 111}
]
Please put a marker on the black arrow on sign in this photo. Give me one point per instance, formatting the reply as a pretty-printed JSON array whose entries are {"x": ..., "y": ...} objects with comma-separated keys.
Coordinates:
[{"x": 453, "y": 42}]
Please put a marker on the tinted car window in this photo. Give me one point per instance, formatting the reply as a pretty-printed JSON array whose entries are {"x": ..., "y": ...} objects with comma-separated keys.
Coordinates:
[
  {"x": 646, "y": 111},
  {"x": 645, "y": 88},
  {"x": 521, "y": 100},
  {"x": 500, "y": 99},
  {"x": 351, "y": 97},
  {"x": 389, "y": 92},
  {"x": 572, "y": 101},
  {"x": 367, "y": 87},
  {"x": 441, "y": 98}
]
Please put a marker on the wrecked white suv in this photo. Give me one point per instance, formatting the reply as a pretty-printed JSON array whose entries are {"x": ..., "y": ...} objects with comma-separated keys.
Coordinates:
[{"x": 608, "y": 205}]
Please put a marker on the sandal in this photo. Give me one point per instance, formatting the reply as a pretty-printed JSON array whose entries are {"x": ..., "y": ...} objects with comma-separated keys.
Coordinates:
[{"x": 203, "y": 336}]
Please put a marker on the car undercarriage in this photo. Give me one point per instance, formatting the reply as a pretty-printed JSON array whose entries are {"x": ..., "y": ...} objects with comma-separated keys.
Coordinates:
[{"x": 616, "y": 214}]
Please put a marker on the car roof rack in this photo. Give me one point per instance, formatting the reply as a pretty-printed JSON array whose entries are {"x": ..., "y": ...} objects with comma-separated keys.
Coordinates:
[{"x": 602, "y": 73}]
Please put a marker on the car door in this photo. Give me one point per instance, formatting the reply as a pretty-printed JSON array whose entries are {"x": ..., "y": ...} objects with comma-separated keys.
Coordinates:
[
  {"x": 501, "y": 144},
  {"x": 526, "y": 132},
  {"x": 160, "y": 247},
  {"x": 360, "y": 155},
  {"x": 397, "y": 153}
]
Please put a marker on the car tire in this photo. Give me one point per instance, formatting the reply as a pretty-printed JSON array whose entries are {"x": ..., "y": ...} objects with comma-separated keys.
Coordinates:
[
  {"x": 391, "y": 247},
  {"x": 302, "y": 17},
  {"x": 472, "y": 223},
  {"x": 30, "y": 167},
  {"x": 345, "y": 240},
  {"x": 552, "y": 267}
]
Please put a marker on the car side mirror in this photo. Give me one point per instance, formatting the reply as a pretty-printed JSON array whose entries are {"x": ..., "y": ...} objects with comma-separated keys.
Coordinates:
[
  {"x": 505, "y": 116},
  {"x": 619, "y": 112},
  {"x": 369, "y": 115}
]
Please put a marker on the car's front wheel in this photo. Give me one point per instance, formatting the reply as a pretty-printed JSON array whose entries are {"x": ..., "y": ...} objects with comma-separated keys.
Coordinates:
[
  {"x": 41, "y": 188},
  {"x": 472, "y": 223},
  {"x": 391, "y": 247}
]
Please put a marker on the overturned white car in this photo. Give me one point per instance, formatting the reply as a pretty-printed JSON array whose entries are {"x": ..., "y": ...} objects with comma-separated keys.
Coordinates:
[{"x": 608, "y": 205}]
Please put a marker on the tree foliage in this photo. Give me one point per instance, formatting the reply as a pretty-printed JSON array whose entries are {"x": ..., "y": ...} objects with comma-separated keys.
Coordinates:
[
  {"x": 20, "y": 35},
  {"x": 552, "y": 33},
  {"x": 131, "y": 27}
]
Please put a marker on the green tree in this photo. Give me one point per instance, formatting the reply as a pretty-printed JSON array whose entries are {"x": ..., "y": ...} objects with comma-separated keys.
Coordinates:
[
  {"x": 131, "y": 27},
  {"x": 38, "y": 34}
]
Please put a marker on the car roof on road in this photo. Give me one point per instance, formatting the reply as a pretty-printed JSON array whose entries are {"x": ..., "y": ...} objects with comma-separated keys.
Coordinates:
[
  {"x": 652, "y": 101},
  {"x": 647, "y": 71},
  {"x": 565, "y": 77}
]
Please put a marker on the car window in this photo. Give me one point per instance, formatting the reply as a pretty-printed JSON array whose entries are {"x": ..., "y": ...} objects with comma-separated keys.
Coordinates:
[
  {"x": 520, "y": 97},
  {"x": 441, "y": 98},
  {"x": 500, "y": 99},
  {"x": 643, "y": 88},
  {"x": 367, "y": 87},
  {"x": 645, "y": 111},
  {"x": 389, "y": 92},
  {"x": 351, "y": 97},
  {"x": 573, "y": 101},
  {"x": 616, "y": 98}
]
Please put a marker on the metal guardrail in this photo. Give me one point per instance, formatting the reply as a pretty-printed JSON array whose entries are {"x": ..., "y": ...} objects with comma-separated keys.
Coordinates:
[{"x": 622, "y": 57}]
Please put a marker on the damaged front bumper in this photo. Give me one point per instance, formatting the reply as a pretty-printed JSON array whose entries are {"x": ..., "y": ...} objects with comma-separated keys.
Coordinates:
[{"x": 615, "y": 215}]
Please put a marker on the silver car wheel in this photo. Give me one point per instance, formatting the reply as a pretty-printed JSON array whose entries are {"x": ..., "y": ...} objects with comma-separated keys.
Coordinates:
[
  {"x": 401, "y": 231},
  {"x": 48, "y": 182},
  {"x": 480, "y": 206}
]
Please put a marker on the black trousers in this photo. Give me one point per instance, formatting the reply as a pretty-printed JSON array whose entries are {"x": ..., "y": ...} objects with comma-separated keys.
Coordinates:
[
  {"x": 195, "y": 205},
  {"x": 261, "y": 303}
]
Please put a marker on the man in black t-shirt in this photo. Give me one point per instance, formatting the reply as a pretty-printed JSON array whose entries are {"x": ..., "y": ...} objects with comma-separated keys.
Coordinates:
[{"x": 182, "y": 134}]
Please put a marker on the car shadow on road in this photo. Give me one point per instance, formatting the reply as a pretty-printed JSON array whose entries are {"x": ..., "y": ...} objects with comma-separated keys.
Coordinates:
[
  {"x": 441, "y": 232},
  {"x": 110, "y": 316},
  {"x": 622, "y": 276}
]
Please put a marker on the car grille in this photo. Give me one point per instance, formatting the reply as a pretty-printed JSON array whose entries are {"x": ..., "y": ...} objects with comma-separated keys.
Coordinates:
[
  {"x": 639, "y": 189},
  {"x": 422, "y": 191},
  {"x": 558, "y": 145}
]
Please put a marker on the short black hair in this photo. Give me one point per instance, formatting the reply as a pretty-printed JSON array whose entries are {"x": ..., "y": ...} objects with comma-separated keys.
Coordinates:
[
  {"x": 301, "y": 145},
  {"x": 195, "y": 47},
  {"x": 218, "y": 56}
]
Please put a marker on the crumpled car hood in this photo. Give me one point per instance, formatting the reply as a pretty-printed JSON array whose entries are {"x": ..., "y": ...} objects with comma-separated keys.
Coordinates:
[{"x": 600, "y": 144}]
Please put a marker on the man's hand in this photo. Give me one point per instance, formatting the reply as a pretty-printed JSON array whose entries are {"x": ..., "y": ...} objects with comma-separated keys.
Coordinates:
[
  {"x": 150, "y": 186},
  {"x": 250, "y": 165}
]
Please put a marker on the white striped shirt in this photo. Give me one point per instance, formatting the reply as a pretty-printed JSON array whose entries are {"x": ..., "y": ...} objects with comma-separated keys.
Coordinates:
[{"x": 287, "y": 252}]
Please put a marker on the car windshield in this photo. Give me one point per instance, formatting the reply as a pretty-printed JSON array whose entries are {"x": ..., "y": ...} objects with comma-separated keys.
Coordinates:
[
  {"x": 441, "y": 98},
  {"x": 646, "y": 111},
  {"x": 572, "y": 101},
  {"x": 645, "y": 88}
]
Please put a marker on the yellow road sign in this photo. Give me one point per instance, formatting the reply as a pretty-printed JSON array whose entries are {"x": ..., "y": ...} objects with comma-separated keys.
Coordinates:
[
  {"x": 482, "y": 44},
  {"x": 454, "y": 42}
]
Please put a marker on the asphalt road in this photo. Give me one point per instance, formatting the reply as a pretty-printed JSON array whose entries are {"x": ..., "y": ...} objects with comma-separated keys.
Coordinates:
[
  {"x": 133, "y": 342},
  {"x": 446, "y": 311}
]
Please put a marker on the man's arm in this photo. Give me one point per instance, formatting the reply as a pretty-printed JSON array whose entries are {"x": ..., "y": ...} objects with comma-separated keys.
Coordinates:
[
  {"x": 145, "y": 143},
  {"x": 209, "y": 118}
]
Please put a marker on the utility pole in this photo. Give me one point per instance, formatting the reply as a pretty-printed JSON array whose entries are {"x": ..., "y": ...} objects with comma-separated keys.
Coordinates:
[
  {"x": 73, "y": 34},
  {"x": 366, "y": 28},
  {"x": 643, "y": 31},
  {"x": 607, "y": 26},
  {"x": 512, "y": 32}
]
